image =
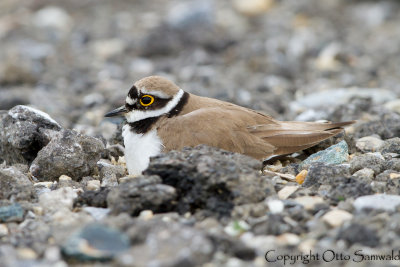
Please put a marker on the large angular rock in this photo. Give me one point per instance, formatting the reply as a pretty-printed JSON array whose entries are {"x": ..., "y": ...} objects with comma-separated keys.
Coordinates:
[
  {"x": 68, "y": 153},
  {"x": 211, "y": 179},
  {"x": 23, "y": 132}
]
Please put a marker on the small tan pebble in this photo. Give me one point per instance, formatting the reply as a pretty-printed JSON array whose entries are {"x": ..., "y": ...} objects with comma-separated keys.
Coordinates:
[
  {"x": 252, "y": 7},
  {"x": 38, "y": 210},
  {"x": 26, "y": 254},
  {"x": 285, "y": 192},
  {"x": 301, "y": 176},
  {"x": 146, "y": 215},
  {"x": 3, "y": 230},
  {"x": 93, "y": 185},
  {"x": 394, "y": 175},
  {"x": 187, "y": 215},
  {"x": 336, "y": 218},
  {"x": 307, "y": 245},
  {"x": 309, "y": 202},
  {"x": 64, "y": 178},
  {"x": 288, "y": 239}
]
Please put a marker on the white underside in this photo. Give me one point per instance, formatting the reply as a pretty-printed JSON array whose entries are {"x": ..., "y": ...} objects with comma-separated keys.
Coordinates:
[{"x": 139, "y": 148}]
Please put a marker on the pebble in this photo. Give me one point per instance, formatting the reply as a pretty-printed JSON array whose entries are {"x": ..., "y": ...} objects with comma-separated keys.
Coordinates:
[
  {"x": 275, "y": 206},
  {"x": 252, "y": 7},
  {"x": 93, "y": 185},
  {"x": 97, "y": 213},
  {"x": 394, "y": 175},
  {"x": 365, "y": 173},
  {"x": 107, "y": 48},
  {"x": 52, "y": 17},
  {"x": 95, "y": 242},
  {"x": 377, "y": 202},
  {"x": 286, "y": 191},
  {"x": 336, "y": 218},
  {"x": 60, "y": 199},
  {"x": 288, "y": 239},
  {"x": 3, "y": 230},
  {"x": 146, "y": 215},
  {"x": 26, "y": 253},
  {"x": 335, "y": 154},
  {"x": 369, "y": 144},
  {"x": 393, "y": 105},
  {"x": 301, "y": 176},
  {"x": 11, "y": 213},
  {"x": 309, "y": 202}
]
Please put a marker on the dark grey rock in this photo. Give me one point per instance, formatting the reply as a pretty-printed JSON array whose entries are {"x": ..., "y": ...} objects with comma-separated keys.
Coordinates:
[
  {"x": 211, "y": 179},
  {"x": 274, "y": 224},
  {"x": 15, "y": 186},
  {"x": 391, "y": 146},
  {"x": 23, "y": 132},
  {"x": 142, "y": 193},
  {"x": 95, "y": 242},
  {"x": 392, "y": 164},
  {"x": 11, "y": 213},
  {"x": 93, "y": 198},
  {"x": 387, "y": 126},
  {"x": 158, "y": 243},
  {"x": 371, "y": 161},
  {"x": 320, "y": 173},
  {"x": 359, "y": 234},
  {"x": 68, "y": 153}
]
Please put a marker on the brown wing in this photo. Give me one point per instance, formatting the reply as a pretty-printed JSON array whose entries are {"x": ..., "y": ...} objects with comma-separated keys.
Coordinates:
[
  {"x": 225, "y": 128},
  {"x": 292, "y": 136}
]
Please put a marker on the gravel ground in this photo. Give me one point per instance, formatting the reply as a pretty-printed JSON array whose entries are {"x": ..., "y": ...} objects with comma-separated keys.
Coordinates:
[{"x": 66, "y": 199}]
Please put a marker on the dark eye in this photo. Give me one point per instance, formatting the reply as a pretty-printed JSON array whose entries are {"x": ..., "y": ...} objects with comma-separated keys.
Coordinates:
[{"x": 146, "y": 100}]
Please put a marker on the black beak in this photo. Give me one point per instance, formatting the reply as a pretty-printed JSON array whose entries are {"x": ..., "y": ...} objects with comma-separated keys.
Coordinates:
[{"x": 116, "y": 112}]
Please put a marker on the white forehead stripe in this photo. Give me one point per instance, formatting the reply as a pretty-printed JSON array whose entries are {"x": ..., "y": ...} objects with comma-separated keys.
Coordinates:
[
  {"x": 159, "y": 94},
  {"x": 129, "y": 100},
  {"x": 138, "y": 115}
]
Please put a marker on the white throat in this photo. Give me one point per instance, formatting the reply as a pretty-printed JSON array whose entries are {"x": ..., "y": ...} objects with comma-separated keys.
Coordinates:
[
  {"x": 138, "y": 115},
  {"x": 139, "y": 148}
]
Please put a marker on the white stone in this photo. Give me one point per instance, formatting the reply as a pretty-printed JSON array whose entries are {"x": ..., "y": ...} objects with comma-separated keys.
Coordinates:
[
  {"x": 64, "y": 178},
  {"x": 369, "y": 144},
  {"x": 60, "y": 199},
  {"x": 142, "y": 66},
  {"x": 52, "y": 17},
  {"x": 288, "y": 239},
  {"x": 378, "y": 201},
  {"x": 93, "y": 185},
  {"x": 275, "y": 206},
  {"x": 285, "y": 192},
  {"x": 336, "y": 218},
  {"x": 146, "y": 215},
  {"x": 366, "y": 172},
  {"x": 309, "y": 202}
]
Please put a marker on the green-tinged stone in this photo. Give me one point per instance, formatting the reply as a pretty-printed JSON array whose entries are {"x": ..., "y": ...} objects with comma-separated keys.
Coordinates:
[
  {"x": 335, "y": 154},
  {"x": 95, "y": 242},
  {"x": 11, "y": 213}
]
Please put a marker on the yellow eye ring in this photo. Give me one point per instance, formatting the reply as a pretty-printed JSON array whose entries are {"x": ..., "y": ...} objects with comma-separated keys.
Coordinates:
[{"x": 146, "y": 100}]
